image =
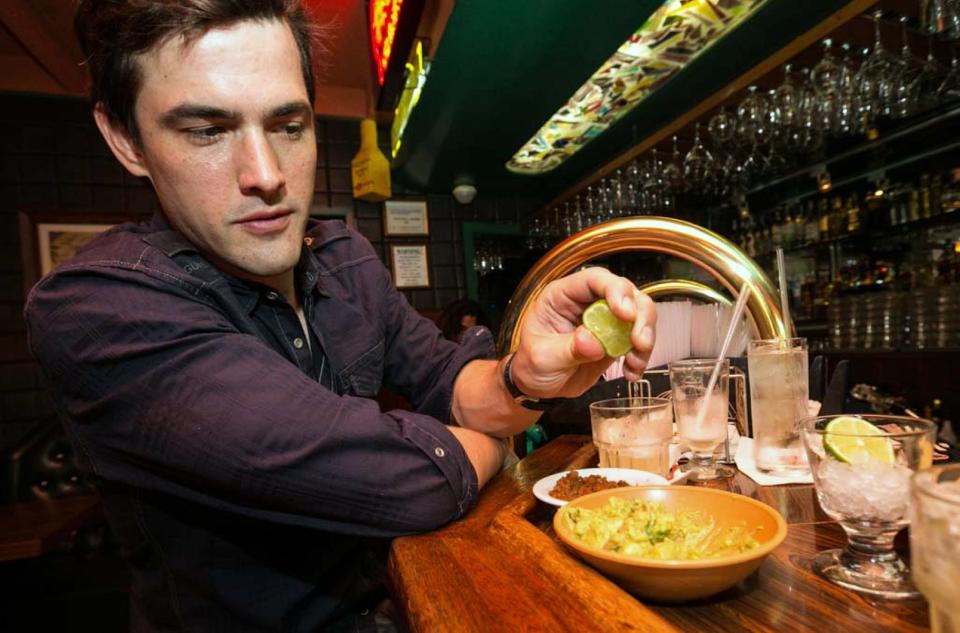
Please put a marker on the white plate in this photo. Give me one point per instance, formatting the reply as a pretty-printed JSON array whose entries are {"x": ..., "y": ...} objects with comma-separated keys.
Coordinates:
[{"x": 542, "y": 488}]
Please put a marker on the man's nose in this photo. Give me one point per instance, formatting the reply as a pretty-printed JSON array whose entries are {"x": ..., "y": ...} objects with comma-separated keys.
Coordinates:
[{"x": 259, "y": 170}]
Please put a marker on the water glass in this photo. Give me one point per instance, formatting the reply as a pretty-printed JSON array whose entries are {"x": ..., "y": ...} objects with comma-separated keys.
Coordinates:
[
  {"x": 778, "y": 402},
  {"x": 935, "y": 543},
  {"x": 862, "y": 477},
  {"x": 701, "y": 432},
  {"x": 633, "y": 433}
]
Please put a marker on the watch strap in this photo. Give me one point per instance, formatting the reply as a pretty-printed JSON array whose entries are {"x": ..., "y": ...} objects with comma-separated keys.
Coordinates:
[{"x": 525, "y": 401}]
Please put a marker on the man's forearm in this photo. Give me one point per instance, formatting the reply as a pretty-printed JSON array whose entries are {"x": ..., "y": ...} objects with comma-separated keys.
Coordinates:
[{"x": 481, "y": 401}]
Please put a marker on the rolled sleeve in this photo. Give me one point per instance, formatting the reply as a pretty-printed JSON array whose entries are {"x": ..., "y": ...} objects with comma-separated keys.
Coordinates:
[{"x": 161, "y": 391}]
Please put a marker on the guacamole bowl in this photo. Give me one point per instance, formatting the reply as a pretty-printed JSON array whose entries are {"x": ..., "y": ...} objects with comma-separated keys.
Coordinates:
[{"x": 666, "y": 580}]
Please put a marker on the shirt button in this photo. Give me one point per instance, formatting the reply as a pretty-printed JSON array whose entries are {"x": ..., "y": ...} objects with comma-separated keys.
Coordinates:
[
  {"x": 439, "y": 452},
  {"x": 272, "y": 296},
  {"x": 298, "y": 343}
]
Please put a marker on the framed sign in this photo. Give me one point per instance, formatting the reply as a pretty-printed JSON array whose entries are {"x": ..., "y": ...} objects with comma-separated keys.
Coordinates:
[
  {"x": 49, "y": 238},
  {"x": 409, "y": 266},
  {"x": 405, "y": 217}
]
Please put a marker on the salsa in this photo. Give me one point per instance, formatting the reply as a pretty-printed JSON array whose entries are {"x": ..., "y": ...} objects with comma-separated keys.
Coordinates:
[{"x": 572, "y": 485}]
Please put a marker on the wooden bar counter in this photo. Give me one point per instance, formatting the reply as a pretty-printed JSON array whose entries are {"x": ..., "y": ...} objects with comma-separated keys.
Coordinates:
[{"x": 502, "y": 569}]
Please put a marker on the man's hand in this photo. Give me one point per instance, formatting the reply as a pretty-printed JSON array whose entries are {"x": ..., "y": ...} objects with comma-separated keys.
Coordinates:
[{"x": 557, "y": 356}]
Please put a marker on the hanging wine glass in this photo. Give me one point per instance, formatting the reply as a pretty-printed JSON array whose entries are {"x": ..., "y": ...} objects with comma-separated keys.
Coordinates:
[
  {"x": 825, "y": 76},
  {"x": 696, "y": 164},
  {"x": 568, "y": 219},
  {"x": 722, "y": 127},
  {"x": 877, "y": 75},
  {"x": 949, "y": 90},
  {"x": 672, "y": 173},
  {"x": 785, "y": 98},
  {"x": 930, "y": 79},
  {"x": 633, "y": 188},
  {"x": 579, "y": 220},
  {"x": 933, "y": 16},
  {"x": 905, "y": 86},
  {"x": 751, "y": 118},
  {"x": 810, "y": 133},
  {"x": 951, "y": 21},
  {"x": 846, "y": 111}
]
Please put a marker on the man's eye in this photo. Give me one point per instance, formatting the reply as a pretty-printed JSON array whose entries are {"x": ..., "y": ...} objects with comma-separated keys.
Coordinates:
[
  {"x": 293, "y": 130},
  {"x": 206, "y": 134}
]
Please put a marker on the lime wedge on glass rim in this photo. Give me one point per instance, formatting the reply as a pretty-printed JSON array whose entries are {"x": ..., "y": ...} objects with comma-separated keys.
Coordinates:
[
  {"x": 855, "y": 441},
  {"x": 613, "y": 334}
]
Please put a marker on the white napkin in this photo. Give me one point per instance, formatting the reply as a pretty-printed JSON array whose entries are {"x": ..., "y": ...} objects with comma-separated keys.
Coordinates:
[{"x": 747, "y": 466}]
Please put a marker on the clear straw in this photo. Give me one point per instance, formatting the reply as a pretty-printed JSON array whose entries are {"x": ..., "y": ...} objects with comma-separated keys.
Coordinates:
[
  {"x": 784, "y": 300},
  {"x": 731, "y": 329}
]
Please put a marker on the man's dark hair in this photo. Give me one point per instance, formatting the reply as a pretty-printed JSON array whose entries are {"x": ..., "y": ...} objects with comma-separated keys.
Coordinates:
[{"x": 113, "y": 32}]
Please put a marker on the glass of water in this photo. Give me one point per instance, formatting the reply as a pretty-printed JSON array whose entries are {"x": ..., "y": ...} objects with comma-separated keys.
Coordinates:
[
  {"x": 862, "y": 468},
  {"x": 701, "y": 417},
  {"x": 778, "y": 401},
  {"x": 935, "y": 543}
]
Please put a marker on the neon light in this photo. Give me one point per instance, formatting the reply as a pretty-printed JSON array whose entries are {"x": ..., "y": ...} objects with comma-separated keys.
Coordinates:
[
  {"x": 384, "y": 17},
  {"x": 417, "y": 69},
  {"x": 671, "y": 38}
]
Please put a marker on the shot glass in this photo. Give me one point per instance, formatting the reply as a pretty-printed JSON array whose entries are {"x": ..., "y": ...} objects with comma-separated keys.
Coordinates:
[
  {"x": 633, "y": 433},
  {"x": 778, "y": 402},
  {"x": 935, "y": 543},
  {"x": 701, "y": 417}
]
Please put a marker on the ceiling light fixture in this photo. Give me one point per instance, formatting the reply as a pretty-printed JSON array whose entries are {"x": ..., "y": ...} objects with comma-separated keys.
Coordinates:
[{"x": 676, "y": 34}]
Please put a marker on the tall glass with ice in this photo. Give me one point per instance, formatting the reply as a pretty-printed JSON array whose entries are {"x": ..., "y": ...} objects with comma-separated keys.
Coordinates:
[
  {"x": 633, "y": 433},
  {"x": 701, "y": 417},
  {"x": 935, "y": 543},
  {"x": 778, "y": 401},
  {"x": 862, "y": 468}
]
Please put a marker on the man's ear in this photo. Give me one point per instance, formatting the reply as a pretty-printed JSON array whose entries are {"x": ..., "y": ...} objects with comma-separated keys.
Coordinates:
[{"x": 120, "y": 141}]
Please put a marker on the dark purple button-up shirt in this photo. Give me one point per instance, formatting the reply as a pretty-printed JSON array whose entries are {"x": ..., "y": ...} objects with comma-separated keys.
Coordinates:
[{"x": 249, "y": 476}]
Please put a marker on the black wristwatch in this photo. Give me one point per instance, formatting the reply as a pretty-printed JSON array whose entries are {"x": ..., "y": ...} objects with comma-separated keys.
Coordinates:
[{"x": 525, "y": 401}]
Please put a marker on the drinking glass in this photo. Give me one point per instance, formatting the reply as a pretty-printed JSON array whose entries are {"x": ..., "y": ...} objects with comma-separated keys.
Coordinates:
[
  {"x": 722, "y": 128},
  {"x": 697, "y": 162},
  {"x": 862, "y": 478},
  {"x": 778, "y": 402},
  {"x": 702, "y": 433},
  {"x": 935, "y": 543},
  {"x": 949, "y": 90},
  {"x": 751, "y": 118},
  {"x": 787, "y": 100},
  {"x": 878, "y": 74},
  {"x": 930, "y": 79},
  {"x": 905, "y": 87},
  {"x": 672, "y": 173},
  {"x": 633, "y": 433}
]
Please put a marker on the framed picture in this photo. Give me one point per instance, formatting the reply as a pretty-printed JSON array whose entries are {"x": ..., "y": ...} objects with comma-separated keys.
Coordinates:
[
  {"x": 49, "y": 238},
  {"x": 409, "y": 266},
  {"x": 405, "y": 217}
]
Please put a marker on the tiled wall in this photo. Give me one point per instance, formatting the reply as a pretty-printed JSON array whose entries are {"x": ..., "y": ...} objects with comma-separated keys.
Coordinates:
[{"x": 52, "y": 157}]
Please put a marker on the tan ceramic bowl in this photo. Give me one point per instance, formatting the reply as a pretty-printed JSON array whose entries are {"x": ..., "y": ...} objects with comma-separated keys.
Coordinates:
[{"x": 678, "y": 581}]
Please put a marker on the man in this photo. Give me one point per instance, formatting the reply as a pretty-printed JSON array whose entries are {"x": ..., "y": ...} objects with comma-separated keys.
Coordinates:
[{"x": 216, "y": 368}]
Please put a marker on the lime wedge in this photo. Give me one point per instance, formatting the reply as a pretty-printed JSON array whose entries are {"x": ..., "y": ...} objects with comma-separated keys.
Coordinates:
[
  {"x": 855, "y": 441},
  {"x": 613, "y": 334}
]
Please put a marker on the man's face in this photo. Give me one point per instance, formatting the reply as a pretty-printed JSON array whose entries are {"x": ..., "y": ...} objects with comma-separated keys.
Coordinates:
[{"x": 228, "y": 142}]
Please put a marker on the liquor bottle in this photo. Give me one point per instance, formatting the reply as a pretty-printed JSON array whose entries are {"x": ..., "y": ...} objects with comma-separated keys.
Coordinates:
[
  {"x": 853, "y": 214},
  {"x": 838, "y": 219},
  {"x": 812, "y": 229},
  {"x": 936, "y": 194},
  {"x": 950, "y": 198},
  {"x": 823, "y": 225},
  {"x": 776, "y": 231},
  {"x": 926, "y": 209},
  {"x": 914, "y": 206},
  {"x": 788, "y": 234}
]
